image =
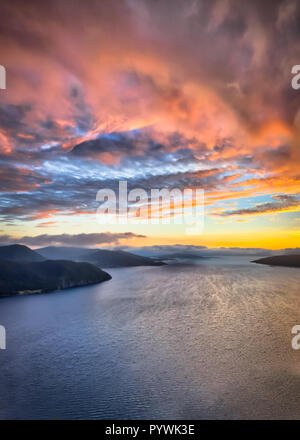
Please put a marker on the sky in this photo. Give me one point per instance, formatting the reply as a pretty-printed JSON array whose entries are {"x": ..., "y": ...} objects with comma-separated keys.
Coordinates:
[{"x": 161, "y": 94}]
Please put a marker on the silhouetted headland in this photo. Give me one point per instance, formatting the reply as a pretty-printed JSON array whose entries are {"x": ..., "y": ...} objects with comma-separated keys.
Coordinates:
[
  {"x": 280, "y": 260},
  {"x": 19, "y": 278}
]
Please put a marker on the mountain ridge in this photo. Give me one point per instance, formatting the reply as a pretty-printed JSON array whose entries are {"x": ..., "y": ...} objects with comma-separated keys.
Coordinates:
[
  {"x": 19, "y": 252},
  {"x": 101, "y": 257}
]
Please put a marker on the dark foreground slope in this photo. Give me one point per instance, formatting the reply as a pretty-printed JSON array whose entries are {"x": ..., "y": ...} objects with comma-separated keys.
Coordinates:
[
  {"x": 280, "y": 260},
  {"x": 18, "y": 252},
  {"x": 22, "y": 278}
]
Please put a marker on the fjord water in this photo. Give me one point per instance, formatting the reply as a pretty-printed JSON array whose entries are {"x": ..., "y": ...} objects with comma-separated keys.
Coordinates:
[{"x": 204, "y": 340}]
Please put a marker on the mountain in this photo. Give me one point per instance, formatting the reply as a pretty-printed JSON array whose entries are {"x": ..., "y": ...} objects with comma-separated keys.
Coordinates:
[
  {"x": 18, "y": 252},
  {"x": 280, "y": 260},
  {"x": 18, "y": 278},
  {"x": 62, "y": 252},
  {"x": 107, "y": 258},
  {"x": 181, "y": 256},
  {"x": 99, "y": 257}
]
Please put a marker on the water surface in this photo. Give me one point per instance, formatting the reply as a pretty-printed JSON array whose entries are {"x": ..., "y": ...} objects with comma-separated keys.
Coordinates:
[{"x": 205, "y": 340}]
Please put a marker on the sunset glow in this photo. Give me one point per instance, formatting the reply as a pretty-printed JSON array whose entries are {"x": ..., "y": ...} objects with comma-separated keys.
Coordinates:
[{"x": 196, "y": 101}]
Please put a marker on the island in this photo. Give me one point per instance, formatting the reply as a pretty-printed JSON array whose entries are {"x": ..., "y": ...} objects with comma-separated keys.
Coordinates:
[
  {"x": 20, "y": 278},
  {"x": 280, "y": 260}
]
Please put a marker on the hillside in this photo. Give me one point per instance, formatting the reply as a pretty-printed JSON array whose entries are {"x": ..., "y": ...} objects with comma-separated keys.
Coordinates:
[
  {"x": 100, "y": 257},
  {"x": 46, "y": 276},
  {"x": 280, "y": 260},
  {"x": 62, "y": 252},
  {"x": 107, "y": 258},
  {"x": 18, "y": 252}
]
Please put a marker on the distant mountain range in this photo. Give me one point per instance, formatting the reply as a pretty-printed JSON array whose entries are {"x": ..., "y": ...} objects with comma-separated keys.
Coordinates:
[
  {"x": 280, "y": 260},
  {"x": 182, "y": 256},
  {"x": 100, "y": 257},
  {"x": 61, "y": 252},
  {"x": 107, "y": 258}
]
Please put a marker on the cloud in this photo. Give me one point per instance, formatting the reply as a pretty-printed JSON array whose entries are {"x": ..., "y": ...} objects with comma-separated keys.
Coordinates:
[
  {"x": 15, "y": 179},
  {"x": 196, "y": 251},
  {"x": 281, "y": 203},
  {"x": 93, "y": 239},
  {"x": 203, "y": 251},
  {"x": 181, "y": 94}
]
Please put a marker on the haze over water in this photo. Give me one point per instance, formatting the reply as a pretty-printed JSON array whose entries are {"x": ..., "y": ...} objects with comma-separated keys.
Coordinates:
[{"x": 205, "y": 340}]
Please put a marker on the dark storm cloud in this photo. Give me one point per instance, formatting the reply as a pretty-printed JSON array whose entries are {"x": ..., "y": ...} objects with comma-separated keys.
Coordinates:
[
  {"x": 19, "y": 179},
  {"x": 82, "y": 112},
  {"x": 21, "y": 131},
  {"x": 136, "y": 143},
  {"x": 12, "y": 116},
  {"x": 112, "y": 143},
  {"x": 274, "y": 157}
]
